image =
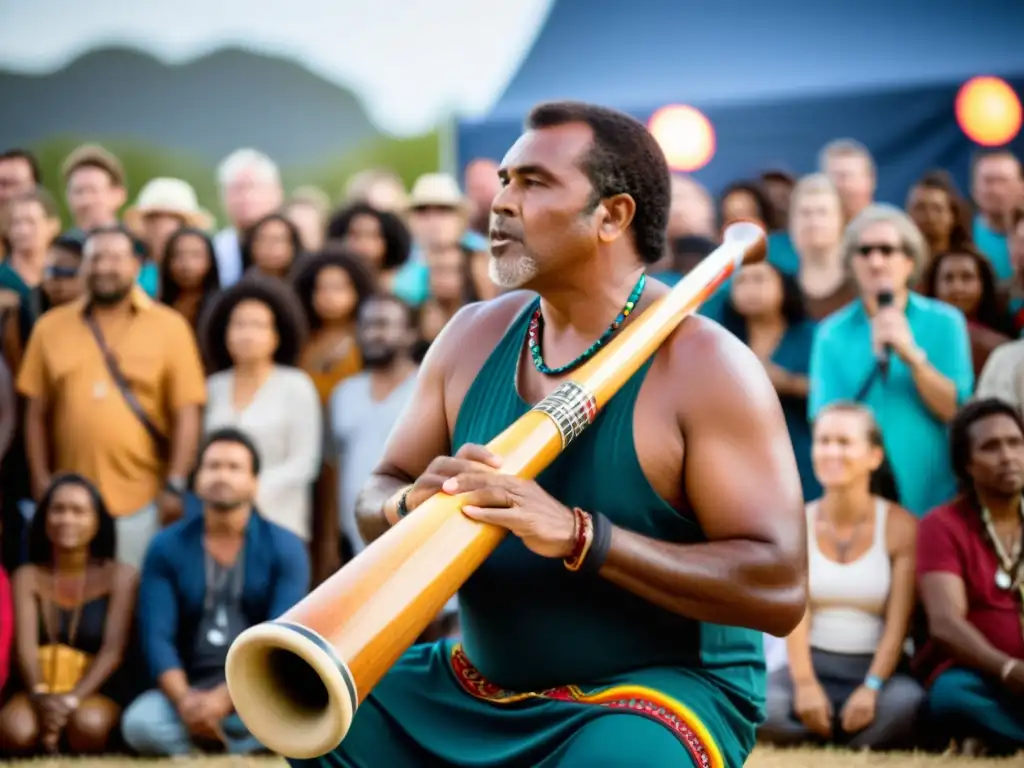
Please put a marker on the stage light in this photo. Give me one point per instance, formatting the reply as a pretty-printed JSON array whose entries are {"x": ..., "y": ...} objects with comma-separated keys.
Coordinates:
[
  {"x": 685, "y": 135},
  {"x": 988, "y": 111}
]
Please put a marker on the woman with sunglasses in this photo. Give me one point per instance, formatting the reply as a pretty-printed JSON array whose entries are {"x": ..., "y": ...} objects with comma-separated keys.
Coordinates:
[{"x": 905, "y": 356}]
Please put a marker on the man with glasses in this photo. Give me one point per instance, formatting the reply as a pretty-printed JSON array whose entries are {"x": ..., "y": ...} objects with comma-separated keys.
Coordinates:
[{"x": 906, "y": 356}]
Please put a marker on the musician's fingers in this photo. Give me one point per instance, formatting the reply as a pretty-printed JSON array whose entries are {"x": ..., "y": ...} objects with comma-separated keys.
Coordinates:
[
  {"x": 506, "y": 518},
  {"x": 449, "y": 466},
  {"x": 478, "y": 454},
  {"x": 430, "y": 480},
  {"x": 473, "y": 480},
  {"x": 495, "y": 497}
]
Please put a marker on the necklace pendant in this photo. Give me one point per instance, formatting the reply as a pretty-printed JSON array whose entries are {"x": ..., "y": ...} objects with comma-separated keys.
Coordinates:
[{"x": 1003, "y": 580}]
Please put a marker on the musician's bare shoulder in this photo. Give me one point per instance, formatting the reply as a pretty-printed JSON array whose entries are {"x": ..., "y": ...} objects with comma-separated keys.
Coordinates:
[
  {"x": 702, "y": 380},
  {"x": 469, "y": 338}
]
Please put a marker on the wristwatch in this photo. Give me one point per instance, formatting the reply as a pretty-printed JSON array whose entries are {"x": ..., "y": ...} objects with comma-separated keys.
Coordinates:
[{"x": 176, "y": 485}]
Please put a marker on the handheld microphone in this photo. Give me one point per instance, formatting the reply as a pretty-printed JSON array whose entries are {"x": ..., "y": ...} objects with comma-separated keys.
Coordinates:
[{"x": 885, "y": 299}]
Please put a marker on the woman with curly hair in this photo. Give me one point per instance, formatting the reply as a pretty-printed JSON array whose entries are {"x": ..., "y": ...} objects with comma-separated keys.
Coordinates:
[
  {"x": 331, "y": 287},
  {"x": 251, "y": 340},
  {"x": 964, "y": 278},
  {"x": 379, "y": 237},
  {"x": 272, "y": 247}
]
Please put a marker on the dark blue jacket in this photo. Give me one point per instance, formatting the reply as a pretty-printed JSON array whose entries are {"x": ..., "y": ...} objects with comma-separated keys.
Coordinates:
[{"x": 173, "y": 585}]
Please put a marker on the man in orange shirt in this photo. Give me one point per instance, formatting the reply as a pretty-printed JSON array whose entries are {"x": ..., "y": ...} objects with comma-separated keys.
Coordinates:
[{"x": 115, "y": 385}]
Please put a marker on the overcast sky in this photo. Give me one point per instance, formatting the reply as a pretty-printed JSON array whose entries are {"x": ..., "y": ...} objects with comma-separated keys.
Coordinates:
[{"x": 409, "y": 60}]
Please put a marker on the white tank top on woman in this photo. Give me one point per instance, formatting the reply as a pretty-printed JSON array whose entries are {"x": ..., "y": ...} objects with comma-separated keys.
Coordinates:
[{"x": 848, "y": 600}]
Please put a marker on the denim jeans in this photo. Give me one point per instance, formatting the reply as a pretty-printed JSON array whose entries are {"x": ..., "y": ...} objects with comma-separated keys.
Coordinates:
[{"x": 152, "y": 728}]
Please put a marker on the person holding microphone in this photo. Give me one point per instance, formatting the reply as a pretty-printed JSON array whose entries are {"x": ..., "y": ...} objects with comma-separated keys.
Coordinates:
[{"x": 905, "y": 356}]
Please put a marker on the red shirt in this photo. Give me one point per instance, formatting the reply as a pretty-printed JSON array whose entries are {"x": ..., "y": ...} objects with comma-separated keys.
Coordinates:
[{"x": 951, "y": 539}]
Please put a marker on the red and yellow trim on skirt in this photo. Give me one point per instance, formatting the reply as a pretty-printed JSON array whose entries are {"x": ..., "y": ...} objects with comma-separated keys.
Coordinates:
[{"x": 636, "y": 699}]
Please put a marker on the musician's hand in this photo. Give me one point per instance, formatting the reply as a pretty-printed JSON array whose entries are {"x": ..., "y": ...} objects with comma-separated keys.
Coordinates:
[
  {"x": 545, "y": 525},
  {"x": 469, "y": 458}
]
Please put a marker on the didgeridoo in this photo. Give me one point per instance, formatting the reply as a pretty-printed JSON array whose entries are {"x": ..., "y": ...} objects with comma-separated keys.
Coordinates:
[{"x": 296, "y": 681}]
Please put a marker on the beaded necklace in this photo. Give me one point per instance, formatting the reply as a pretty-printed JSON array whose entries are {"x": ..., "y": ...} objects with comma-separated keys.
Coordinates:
[{"x": 537, "y": 326}]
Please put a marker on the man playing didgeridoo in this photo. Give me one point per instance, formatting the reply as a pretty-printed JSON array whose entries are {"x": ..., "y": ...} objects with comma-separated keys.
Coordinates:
[{"x": 648, "y": 652}]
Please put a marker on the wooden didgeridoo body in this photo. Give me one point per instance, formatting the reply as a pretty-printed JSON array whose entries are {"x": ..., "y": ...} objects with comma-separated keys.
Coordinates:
[{"x": 296, "y": 682}]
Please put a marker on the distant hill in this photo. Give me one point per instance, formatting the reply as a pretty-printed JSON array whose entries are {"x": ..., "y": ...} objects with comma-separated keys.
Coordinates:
[{"x": 205, "y": 108}]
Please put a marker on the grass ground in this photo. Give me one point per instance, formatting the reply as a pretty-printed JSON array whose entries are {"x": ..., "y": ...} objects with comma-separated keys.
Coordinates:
[{"x": 762, "y": 758}]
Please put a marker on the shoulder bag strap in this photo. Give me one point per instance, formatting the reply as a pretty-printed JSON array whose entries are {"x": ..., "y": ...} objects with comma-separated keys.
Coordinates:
[{"x": 163, "y": 444}]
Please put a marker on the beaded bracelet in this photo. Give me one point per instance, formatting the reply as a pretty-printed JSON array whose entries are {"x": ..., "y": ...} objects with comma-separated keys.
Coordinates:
[{"x": 584, "y": 528}]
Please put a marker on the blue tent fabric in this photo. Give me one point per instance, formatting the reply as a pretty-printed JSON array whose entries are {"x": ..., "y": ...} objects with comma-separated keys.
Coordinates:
[{"x": 777, "y": 81}]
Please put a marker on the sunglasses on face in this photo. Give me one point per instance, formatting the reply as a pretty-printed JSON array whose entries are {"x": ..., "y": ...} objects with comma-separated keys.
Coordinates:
[
  {"x": 883, "y": 248},
  {"x": 61, "y": 272}
]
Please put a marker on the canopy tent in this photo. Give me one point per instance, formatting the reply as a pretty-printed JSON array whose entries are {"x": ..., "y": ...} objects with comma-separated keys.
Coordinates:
[{"x": 777, "y": 81}]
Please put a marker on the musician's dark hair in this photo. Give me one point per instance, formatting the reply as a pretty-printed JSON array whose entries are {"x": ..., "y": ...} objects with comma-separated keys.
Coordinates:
[
  {"x": 883, "y": 480},
  {"x": 960, "y": 433},
  {"x": 624, "y": 158},
  {"x": 103, "y": 545},
  {"x": 17, "y": 153},
  {"x": 234, "y": 436}
]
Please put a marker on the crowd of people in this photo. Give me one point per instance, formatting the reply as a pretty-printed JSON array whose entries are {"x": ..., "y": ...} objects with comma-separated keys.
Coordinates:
[{"x": 187, "y": 416}]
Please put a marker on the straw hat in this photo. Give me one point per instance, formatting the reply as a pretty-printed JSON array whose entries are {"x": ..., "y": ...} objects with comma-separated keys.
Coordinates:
[
  {"x": 174, "y": 197},
  {"x": 439, "y": 190}
]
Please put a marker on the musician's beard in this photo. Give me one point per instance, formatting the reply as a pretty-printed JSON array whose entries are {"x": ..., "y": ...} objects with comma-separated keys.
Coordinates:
[{"x": 512, "y": 271}]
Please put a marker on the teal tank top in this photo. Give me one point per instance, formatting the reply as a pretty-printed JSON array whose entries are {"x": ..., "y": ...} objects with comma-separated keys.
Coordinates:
[{"x": 527, "y": 622}]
